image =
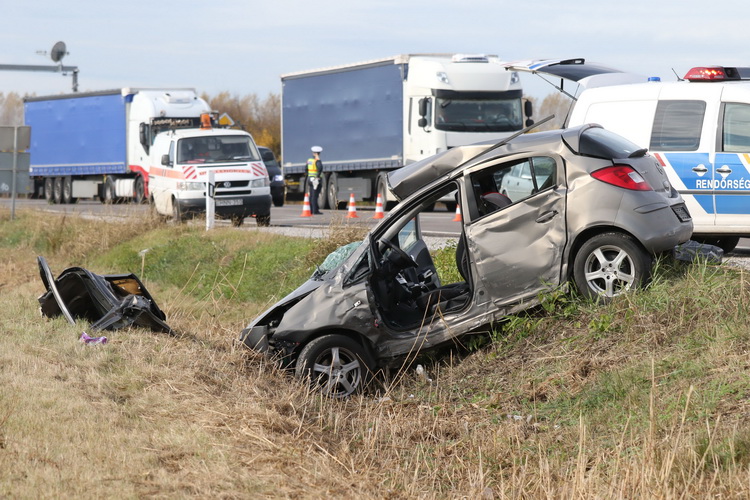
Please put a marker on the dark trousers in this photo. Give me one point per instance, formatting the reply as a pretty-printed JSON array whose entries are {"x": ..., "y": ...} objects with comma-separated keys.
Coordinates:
[{"x": 314, "y": 193}]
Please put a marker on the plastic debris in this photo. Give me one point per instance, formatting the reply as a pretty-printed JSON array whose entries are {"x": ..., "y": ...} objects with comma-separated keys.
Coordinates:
[{"x": 86, "y": 339}]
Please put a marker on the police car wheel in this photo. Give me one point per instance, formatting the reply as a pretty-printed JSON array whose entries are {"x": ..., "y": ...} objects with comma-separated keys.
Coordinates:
[
  {"x": 610, "y": 264},
  {"x": 335, "y": 365}
]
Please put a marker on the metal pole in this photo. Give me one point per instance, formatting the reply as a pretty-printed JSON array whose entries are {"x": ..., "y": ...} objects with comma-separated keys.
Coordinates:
[
  {"x": 210, "y": 203},
  {"x": 15, "y": 172}
]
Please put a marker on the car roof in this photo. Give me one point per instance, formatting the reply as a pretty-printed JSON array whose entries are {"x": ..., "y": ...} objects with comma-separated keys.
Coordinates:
[{"x": 410, "y": 178}]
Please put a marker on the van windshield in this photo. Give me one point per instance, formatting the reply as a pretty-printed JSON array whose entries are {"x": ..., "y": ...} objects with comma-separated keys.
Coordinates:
[{"x": 216, "y": 149}]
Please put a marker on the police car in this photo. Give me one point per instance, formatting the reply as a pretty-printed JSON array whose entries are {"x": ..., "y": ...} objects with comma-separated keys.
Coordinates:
[{"x": 698, "y": 128}]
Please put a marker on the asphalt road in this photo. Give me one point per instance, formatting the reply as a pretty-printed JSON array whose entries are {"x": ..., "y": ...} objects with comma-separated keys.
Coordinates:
[{"x": 438, "y": 223}]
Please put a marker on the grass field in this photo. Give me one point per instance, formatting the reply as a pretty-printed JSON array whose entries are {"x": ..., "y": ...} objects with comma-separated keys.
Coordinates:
[{"x": 646, "y": 397}]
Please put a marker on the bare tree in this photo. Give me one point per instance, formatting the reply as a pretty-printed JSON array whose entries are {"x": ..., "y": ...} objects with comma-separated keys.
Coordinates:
[{"x": 11, "y": 109}]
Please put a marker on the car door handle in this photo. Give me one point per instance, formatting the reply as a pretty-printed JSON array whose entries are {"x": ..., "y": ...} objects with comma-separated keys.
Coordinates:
[
  {"x": 701, "y": 169},
  {"x": 547, "y": 216},
  {"x": 724, "y": 170}
]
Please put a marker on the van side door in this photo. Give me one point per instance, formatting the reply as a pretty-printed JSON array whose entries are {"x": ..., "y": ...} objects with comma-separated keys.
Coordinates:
[{"x": 732, "y": 166}]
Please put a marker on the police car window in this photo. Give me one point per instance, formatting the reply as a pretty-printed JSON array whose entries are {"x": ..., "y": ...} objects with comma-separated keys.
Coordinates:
[
  {"x": 677, "y": 126},
  {"x": 736, "y": 127}
]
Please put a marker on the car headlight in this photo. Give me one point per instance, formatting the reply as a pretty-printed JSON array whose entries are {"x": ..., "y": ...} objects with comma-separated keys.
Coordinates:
[
  {"x": 259, "y": 183},
  {"x": 191, "y": 186}
]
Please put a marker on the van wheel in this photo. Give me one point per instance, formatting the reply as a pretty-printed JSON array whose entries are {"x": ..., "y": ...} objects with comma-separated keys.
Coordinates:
[
  {"x": 263, "y": 220},
  {"x": 177, "y": 217},
  {"x": 610, "y": 264},
  {"x": 335, "y": 365}
]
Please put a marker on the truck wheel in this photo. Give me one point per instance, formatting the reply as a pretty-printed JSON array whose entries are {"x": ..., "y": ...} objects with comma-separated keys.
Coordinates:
[
  {"x": 139, "y": 194},
  {"x": 58, "y": 190},
  {"x": 109, "y": 191},
  {"x": 67, "y": 189},
  {"x": 49, "y": 189},
  {"x": 237, "y": 220},
  {"x": 323, "y": 194},
  {"x": 263, "y": 220},
  {"x": 333, "y": 191}
]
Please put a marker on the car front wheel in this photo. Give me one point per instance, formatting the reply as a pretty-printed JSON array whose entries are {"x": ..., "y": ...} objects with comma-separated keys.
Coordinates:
[
  {"x": 609, "y": 265},
  {"x": 335, "y": 365}
]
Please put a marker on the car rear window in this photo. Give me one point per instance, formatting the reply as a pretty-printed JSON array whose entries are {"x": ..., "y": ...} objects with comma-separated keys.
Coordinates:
[{"x": 602, "y": 143}]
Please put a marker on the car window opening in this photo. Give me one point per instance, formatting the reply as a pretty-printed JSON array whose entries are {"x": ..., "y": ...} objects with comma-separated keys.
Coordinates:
[{"x": 415, "y": 282}]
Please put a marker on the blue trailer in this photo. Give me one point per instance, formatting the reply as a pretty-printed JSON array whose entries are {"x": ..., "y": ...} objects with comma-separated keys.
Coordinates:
[{"x": 373, "y": 117}]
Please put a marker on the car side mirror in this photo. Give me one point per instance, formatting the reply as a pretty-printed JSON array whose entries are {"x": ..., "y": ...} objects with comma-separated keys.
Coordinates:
[
  {"x": 422, "y": 122},
  {"x": 165, "y": 160}
]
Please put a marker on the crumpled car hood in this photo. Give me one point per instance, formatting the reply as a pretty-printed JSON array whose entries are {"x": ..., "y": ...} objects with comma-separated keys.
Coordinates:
[{"x": 108, "y": 302}]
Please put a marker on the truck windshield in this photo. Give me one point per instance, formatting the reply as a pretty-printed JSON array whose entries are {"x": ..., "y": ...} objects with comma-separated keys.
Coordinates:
[
  {"x": 478, "y": 115},
  {"x": 216, "y": 149}
]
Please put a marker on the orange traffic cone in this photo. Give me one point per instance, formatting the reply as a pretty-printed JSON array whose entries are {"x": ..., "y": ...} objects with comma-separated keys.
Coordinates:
[
  {"x": 306, "y": 207},
  {"x": 352, "y": 208},
  {"x": 458, "y": 218},
  {"x": 379, "y": 213}
]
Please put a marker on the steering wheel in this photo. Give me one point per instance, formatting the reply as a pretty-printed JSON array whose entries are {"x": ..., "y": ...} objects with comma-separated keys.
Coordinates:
[{"x": 403, "y": 259}]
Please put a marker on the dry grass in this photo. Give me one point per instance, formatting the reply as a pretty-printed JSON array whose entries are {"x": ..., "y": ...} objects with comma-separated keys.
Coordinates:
[{"x": 193, "y": 415}]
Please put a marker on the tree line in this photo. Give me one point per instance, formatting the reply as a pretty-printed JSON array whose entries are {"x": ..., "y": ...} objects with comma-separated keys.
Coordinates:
[{"x": 259, "y": 116}]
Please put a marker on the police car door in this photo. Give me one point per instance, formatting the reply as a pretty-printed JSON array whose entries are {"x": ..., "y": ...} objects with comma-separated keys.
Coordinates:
[{"x": 732, "y": 162}]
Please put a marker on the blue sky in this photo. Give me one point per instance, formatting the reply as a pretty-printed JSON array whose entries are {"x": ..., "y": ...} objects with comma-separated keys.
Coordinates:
[{"x": 243, "y": 46}]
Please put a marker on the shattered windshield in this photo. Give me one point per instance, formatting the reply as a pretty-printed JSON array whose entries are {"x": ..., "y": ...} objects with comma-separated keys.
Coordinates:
[
  {"x": 216, "y": 149},
  {"x": 478, "y": 115},
  {"x": 336, "y": 258}
]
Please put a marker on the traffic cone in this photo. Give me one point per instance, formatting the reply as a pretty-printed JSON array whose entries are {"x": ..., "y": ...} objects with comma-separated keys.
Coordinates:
[
  {"x": 306, "y": 207},
  {"x": 458, "y": 218},
  {"x": 352, "y": 208},
  {"x": 379, "y": 213}
]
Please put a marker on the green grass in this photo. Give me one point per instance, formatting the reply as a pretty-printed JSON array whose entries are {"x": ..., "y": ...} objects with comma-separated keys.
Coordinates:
[{"x": 647, "y": 396}]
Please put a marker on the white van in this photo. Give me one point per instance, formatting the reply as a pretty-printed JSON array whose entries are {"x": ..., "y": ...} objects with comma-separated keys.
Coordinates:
[{"x": 698, "y": 129}]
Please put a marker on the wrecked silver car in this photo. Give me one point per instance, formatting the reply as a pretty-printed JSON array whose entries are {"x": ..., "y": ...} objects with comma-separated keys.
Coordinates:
[
  {"x": 108, "y": 302},
  {"x": 581, "y": 205}
]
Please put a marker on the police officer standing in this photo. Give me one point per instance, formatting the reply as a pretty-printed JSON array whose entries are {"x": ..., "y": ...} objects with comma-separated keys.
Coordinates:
[{"x": 314, "y": 171}]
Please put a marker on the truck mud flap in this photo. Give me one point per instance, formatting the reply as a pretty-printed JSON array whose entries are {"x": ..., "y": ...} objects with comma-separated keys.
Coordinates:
[{"x": 108, "y": 302}]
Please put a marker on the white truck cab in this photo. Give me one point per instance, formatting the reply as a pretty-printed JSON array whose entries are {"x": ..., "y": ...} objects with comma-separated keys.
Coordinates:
[{"x": 697, "y": 128}]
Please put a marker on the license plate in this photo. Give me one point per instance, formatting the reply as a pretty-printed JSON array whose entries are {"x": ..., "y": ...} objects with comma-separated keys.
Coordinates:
[
  {"x": 228, "y": 203},
  {"x": 681, "y": 212}
]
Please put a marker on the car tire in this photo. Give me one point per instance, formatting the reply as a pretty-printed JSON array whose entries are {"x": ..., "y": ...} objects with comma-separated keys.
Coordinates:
[
  {"x": 263, "y": 220},
  {"x": 610, "y": 264},
  {"x": 335, "y": 365}
]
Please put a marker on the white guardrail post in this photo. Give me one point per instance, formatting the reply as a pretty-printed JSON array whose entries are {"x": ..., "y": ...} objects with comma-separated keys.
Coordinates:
[{"x": 210, "y": 202}]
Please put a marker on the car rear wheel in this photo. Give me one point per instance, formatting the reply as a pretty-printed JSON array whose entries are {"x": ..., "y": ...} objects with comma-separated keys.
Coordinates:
[
  {"x": 335, "y": 365},
  {"x": 609, "y": 265}
]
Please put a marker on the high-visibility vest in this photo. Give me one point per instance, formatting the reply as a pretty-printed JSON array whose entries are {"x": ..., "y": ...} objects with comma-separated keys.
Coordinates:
[{"x": 312, "y": 167}]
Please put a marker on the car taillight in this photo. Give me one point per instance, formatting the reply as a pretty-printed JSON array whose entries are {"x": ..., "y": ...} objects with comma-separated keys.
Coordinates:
[{"x": 622, "y": 176}]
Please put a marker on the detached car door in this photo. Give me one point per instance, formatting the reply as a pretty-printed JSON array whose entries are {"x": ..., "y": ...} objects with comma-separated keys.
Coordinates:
[{"x": 517, "y": 242}]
